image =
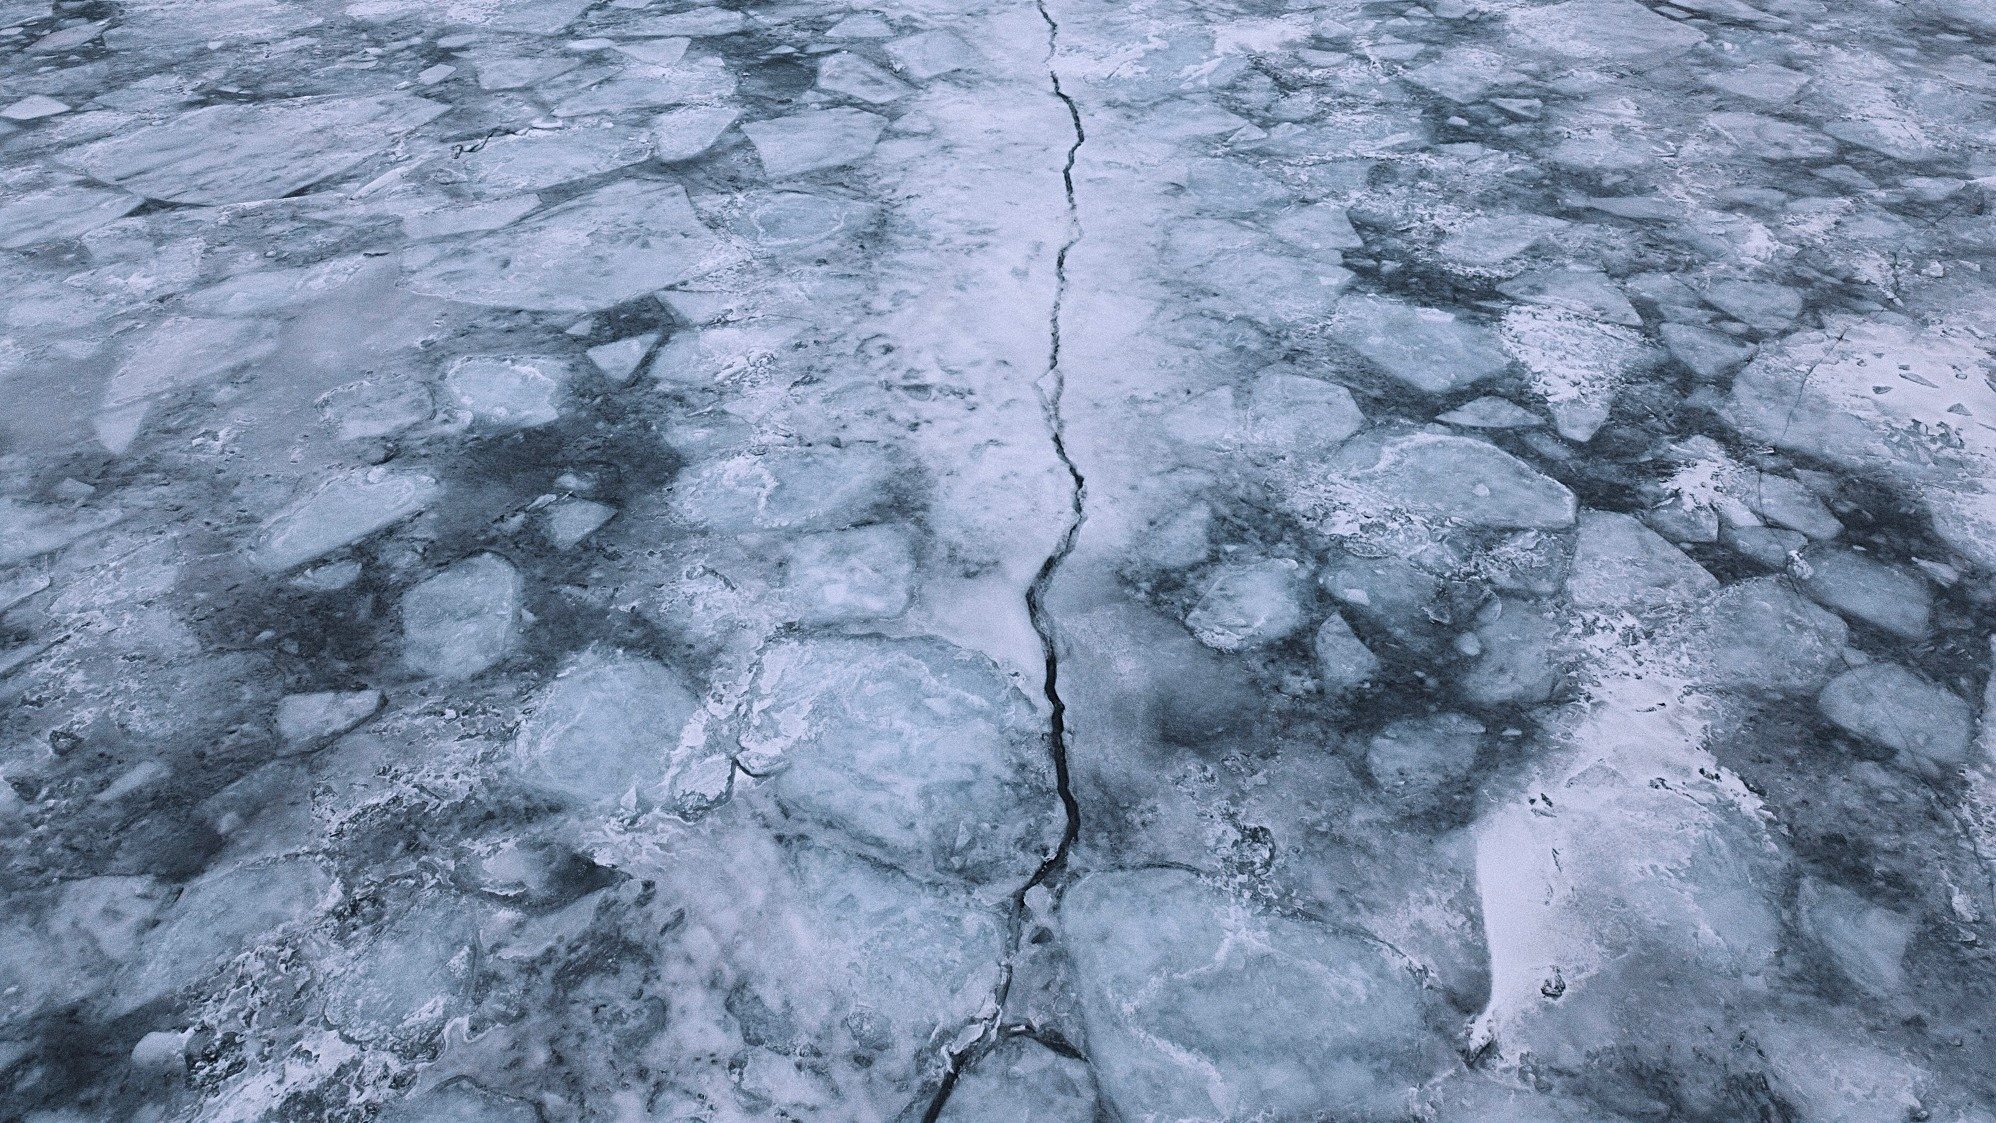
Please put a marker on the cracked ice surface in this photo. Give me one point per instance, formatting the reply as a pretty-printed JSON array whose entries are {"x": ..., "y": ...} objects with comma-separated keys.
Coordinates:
[{"x": 1376, "y": 561}]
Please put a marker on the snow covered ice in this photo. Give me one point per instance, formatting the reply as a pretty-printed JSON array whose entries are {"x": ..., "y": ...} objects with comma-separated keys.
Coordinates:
[{"x": 1364, "y": 561}]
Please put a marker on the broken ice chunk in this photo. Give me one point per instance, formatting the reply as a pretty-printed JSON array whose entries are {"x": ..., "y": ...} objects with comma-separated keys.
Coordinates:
[
  {"x": 1416, "y": 758},
  {"x": 375, "y": 407},
  {"x": 1930, "y": 727},
  {"x": 544, "y": 158},
  {"x": 1252, "y": 275},
  {"x": 1517, "y": 664},
  {"x": 505, "y": 393},
  {"x": 34, "y": 107},
  {"x": 619, "y": 361},
  {"x": 1250, "y": 604},
  {"x": 340, "y": 512},
  {"x": 1489, "y": 241},
  {"x": 28, "y": 530},
  {"x": 1491, "y": 413},
  {"x": 1620, "y": 565},
  {"x": 641, "y": 87},
  {"x": 32, "y": 217},
  {"x": 216, "y": 918},
  {"x": 1760, "y": 81},
  {"x": 414, "y": 971},
  {"x": 810, "y": 488},
  {"x": 1709, "y": 354},
  {"x": 1461, "y": 74},
  {"x": 1343, "y": 660},
  {"x": 1603, "y": 30},
  {"x": 572, "y": 520},
  {"x": 1322, "y": 227},
  {"x": 1426, "y": 348},
  {"x": 464, "y": 620},
  {"x": 1586, "y": 292},
  {"x": 1465, "y": 479},
  {"x": 848, "y": 74},
  {"x": 515, "y": 72},
  {"x": 697, "y": 23},
  {"x": 305, "y": 718},
  {"x": 608, "y": 723},
  {"x": 1881, "y": 595},
  {"x": 931, "y": 54},
  {"x": 1761, "y": 635},
  {"x": 1867, "y": 942},
  {"x": 843, "y": 576},
  {"x": 1021, "y": 1081},
  {"x": 814, "y": 140},
  {"x": 1757, "y": 304},
  {"x": 1168, "y": 971},
  {"x": 682, "y": 134},
  {"x": 240, "y": 153},
  {"x": 913, "y": 751},
  {"x": 460, "y": 1101},
  {"x": 1293, "y": 415},
  {"x": 174, "y": 355},
  {"x": 603, "y": 248}
]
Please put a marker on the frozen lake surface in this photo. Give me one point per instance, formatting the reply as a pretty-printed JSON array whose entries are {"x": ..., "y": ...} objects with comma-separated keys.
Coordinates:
[{"x": 1078, "y": 561}]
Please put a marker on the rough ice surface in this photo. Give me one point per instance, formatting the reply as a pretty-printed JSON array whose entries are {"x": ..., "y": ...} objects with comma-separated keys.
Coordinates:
[{"x": 1365, "y": 561}]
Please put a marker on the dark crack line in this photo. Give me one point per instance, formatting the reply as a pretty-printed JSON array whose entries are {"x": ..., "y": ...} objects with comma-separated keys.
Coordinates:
[{"x": 1051, "y": 387}]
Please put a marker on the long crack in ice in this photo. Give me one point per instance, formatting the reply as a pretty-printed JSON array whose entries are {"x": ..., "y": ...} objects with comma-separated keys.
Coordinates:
[{"x": 1051, "y": 387}]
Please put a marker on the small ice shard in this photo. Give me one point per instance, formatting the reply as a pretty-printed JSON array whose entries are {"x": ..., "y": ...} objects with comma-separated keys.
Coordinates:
[
  {"x": 1250, "y": 604},
  {"x": 34, "y": 107},
  {"x": 912, "y": 751},
  {"x": 340, "y": 512},
  {"x": 1343, "y": 661},
  {"x": 682, "y": 134},
  {"x": 503, "y": 392},
  {"x": 620, "y": 360},
  {"x": 1294, "y": 415},
  {"x": 462, "y": 621},
  {"x": 1620, "y": 565},
  {"x": 608, "y": 723},
  {"x": 1428, "y": 349},
  {"x": 1760, "y": 634},
  {"x": 1414, "y": 759},
  {"x": 931, "y": 54},
  {"x": 843, "y": 576},
  {"x": 1491, "y": 413},
  {"x": 305, "y": 718},
  {"x": 1467, "y": 480},
  {"x": 1930, "y": 727},
  {"x": 603, "y": 248},
  {"x": 1884, "y": 596},
  {"x": 571, "y": 520},
  {"x": 853, "y": 76},
  {"x": 242, "y": 153},
  {"x": 814, "y": 140}
]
